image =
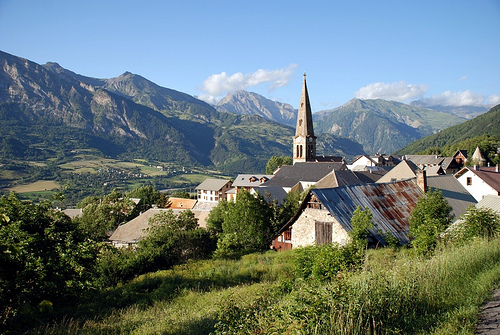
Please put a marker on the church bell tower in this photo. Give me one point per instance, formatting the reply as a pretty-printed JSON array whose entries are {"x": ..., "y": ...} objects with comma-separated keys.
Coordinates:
[{"x": 304, "y": 141}]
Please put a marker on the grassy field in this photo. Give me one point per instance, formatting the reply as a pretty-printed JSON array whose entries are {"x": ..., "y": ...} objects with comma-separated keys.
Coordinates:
[
  {"x": 37, "y": 186},
  {"x": 396, "y": 292}
]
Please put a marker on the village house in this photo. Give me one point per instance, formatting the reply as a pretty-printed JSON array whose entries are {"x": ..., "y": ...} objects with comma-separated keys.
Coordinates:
[
  {"x": 406, "y": 169},
  {"x": 249, "y": 181},
  {"x": 480, "y": 180},
  {"x": 213, "y": 190},
  {"x": 325, "y": 214},
  {"x": 374, "y": 160},
  {"x": 452, "y": 190}
]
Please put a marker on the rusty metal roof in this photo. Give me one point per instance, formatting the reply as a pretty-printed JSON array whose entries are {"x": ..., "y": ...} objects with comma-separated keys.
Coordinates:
[{"x": 390, "y": 205}]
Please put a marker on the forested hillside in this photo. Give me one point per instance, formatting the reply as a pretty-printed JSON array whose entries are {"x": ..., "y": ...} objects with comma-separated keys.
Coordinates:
[
  {"x": 485, "y": 124},
  {"x": 382, "y": 126}
]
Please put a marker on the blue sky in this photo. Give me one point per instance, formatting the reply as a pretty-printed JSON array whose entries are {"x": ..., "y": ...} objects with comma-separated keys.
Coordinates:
[{"x": 444, "y": 51}]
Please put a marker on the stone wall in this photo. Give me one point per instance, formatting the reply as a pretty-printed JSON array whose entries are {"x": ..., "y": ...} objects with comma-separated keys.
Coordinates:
[{"x": 303, "y": 230}]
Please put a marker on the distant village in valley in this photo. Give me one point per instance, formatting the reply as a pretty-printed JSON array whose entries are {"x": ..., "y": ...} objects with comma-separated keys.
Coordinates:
[{"x": 388, "y": 185}]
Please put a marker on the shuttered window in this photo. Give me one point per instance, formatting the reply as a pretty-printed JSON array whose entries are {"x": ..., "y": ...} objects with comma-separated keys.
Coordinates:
[{"x": 323, "y": 232}]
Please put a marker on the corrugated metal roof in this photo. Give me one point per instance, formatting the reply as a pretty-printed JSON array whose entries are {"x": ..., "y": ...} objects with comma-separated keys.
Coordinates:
[
  {"x": 390, "y": 205},
  {"x": 490, "y": 201}
]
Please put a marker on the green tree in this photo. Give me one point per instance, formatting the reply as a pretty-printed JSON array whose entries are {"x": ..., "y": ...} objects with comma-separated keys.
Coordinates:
[
  {"x": 361, "y": 222},
  {"x": 246, "y": 225},
  {"x": 101, "y": 216},
  {"x": 477, "y": 222},
  {"x": 430, "y": 218},
  {"x": 276, "y": 162},
  {"x": 283, "y": 212},
  {"x": 148, "y": 196},
  {"x": 172, "y": 239},
  {"x": 42, "y": 257}
]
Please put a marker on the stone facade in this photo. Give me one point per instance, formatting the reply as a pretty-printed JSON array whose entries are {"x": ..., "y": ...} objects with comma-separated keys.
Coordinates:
[{"x": 304, "y": 229}]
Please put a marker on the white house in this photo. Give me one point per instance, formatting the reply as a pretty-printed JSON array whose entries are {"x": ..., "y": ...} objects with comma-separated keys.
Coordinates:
[
  {"x": 480, "y": 181},
  {"x": 213, "y": 190}
]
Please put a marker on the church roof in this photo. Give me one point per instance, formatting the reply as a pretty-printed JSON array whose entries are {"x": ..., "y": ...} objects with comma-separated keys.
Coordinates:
[
  {"x": 290, "y": 175},
  {"x": 304, "y": 117}
]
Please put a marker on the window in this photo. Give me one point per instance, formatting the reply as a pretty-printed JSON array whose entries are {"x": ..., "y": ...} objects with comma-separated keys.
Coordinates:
[
  {"x": 287, "y": 235},
  {"x": 469, "y": 181}
]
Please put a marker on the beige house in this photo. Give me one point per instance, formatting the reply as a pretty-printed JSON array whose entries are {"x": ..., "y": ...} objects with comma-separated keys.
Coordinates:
[{"x": 130, "y": 233}]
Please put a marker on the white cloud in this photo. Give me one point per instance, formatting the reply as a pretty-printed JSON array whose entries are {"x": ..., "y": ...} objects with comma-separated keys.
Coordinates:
[
  {"x": 494, "y": 99},
  {"x": 461, "y": 98},
  {"x": 218, "y": 85},
  {"x": 399, "y": 91}
]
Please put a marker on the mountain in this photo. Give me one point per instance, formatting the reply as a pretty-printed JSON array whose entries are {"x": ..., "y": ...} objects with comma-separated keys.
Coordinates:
[
  {"x": 243, "y": 102},
  {"x": 466, "y": 112},
  {"x": 382, "y": 126},
  {"x": 47, "y": 111},
  {"x": 484, "y": 124}
]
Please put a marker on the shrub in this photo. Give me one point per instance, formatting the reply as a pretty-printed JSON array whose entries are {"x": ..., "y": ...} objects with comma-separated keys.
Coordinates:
[
  {"x": 428, "y": 221},
  {"x": 475, "y": 222}
]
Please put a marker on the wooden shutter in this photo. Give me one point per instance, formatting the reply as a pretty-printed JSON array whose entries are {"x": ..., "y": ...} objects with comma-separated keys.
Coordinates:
[{"x": 323, "y": 232}]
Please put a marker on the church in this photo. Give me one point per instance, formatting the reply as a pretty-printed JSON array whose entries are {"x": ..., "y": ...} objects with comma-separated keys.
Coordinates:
[{"x": 304, "y": 141}]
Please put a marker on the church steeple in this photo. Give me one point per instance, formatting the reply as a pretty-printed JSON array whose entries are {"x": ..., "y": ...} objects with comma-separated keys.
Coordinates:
[{"x": 304, "y": 141}]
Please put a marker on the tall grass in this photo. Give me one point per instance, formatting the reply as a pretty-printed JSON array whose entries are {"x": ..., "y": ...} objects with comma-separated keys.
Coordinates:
[{"x": 396, "y": 292}]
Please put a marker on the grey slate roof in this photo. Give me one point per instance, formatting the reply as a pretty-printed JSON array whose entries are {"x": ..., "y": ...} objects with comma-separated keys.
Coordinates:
[
  {"x": 271, "y": 193},
  {"x": 212, "y": 184},
  {"x": 454, "y": 192},
  {"x": 403, "y": 171},
  {"x": 290, "y": 175},
  {"x": 135, "y": 230},
  {"x": 425, "y": 159},
  {"x": 338, "y": 178},
  {"x": 251, "y": 180}
]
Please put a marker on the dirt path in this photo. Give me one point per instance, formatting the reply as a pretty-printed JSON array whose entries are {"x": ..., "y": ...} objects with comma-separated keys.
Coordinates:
[{"x": 489, "y": 318}]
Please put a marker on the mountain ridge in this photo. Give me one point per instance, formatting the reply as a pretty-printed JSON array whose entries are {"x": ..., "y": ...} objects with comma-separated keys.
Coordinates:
[
  {"x": 380, "y": 125},
  {"x": 46, "y": 110}
]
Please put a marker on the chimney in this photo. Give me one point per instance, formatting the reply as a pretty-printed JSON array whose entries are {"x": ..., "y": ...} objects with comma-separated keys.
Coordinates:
[
  {"x": 422, "y": 180},
  {"x": 497, "y": 169},
  {"x": 476, "y": 167}
]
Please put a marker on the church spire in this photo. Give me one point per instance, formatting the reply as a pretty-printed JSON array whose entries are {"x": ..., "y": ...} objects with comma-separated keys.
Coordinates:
[
  {"x": 304, "y": 141},
  {"x": 304, "y": 118}
]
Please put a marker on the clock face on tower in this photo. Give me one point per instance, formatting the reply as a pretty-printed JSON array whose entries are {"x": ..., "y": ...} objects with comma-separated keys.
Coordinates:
[
  {"x": 310, "y": 139},
  {"x": 299, "y": 139}
]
